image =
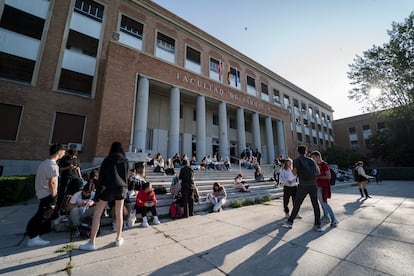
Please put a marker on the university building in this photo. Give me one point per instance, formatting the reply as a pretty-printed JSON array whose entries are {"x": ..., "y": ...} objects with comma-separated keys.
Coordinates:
[{"x": 87, "y": 73}]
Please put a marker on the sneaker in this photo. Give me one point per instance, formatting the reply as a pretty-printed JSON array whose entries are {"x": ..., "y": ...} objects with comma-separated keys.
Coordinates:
[
  {"x": 145, "y": 222},
  {"x": 87, "y": 246},
  {"x": 37, "y": 241},
  {"x": 334, "y": 224},
  {"x": 119, "y": 242},
  {"x": 156, "y": 221},
  {"x": 287, "y": 225},
  {"x": 298, "y": 216},
  {"x": 325, "y": 220},
  {"x": 317, "y": 228}
]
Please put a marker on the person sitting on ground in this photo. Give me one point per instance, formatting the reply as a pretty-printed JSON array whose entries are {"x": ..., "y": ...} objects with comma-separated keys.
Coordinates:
[
  {"x": 169, "y": 167},
  {"x": 81, "y": 206},
  {"x": 227, "y": 164},
  {"x": 149, "y": 160},
  {"x": 258, "y": 174},
  {"x": 240, "y": 184},
  {"x": 146, "y": 201},
  {"x": 175, "y": 187},
  {"x": 193, "y": 163},
  {"x": 203, "y": 164},
  {"x": 176, "y": 160},
  {"x": 217, "y": 197},
  {"x": 159, "y": 163},
  {"x": 93, "y": 180}
]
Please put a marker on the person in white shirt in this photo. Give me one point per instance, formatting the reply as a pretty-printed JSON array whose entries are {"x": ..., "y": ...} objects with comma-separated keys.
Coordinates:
[
  {"x": 290, "y": 184},
  {"x": 81, "y": 206},
  {"x": 46, "y": 185}
]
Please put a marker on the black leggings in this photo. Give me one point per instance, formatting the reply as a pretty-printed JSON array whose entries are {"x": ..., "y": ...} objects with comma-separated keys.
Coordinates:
[
  {"x": 144, "y": 210},
  {"x": 40, "y": 223},
  {"x": 288, "y": 192}
]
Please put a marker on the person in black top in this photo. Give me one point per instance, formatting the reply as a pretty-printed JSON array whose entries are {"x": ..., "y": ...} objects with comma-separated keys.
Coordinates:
[
  {"x": 112, "y": 186},
  {"x": 187, "y": 188},
  {"x": 70, "y": 175}
]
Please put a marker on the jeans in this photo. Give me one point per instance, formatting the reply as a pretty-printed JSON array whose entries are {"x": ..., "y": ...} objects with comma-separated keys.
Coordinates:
[
  {"x": 300, "y": 196},
  {"x": 327, "y": 210},
  {"x": 217, "y": 202},
  {"x": 78, "y": 214}
]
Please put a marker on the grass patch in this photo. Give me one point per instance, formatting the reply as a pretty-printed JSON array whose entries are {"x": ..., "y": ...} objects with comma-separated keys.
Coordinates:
[
  {"x": 66, "y": 248},
  {"x": 247, "y": 202},
  {"x": 236, "y": 203}
]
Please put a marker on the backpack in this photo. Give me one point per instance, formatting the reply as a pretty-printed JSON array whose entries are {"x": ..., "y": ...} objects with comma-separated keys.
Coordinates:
[
  {"x": 175, "y": 210},
  {"x": 333, "y": 177},
  {"x": 307, "y": 170}
]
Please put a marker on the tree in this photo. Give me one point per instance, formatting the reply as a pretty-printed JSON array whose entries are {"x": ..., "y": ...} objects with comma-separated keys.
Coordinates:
[
  {"x": 344, "y": 158},
  {"x": 389, "y": 68}
]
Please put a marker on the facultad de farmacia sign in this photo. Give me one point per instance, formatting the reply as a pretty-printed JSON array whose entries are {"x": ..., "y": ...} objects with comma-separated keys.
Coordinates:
[{"x": 236, "y": 97}]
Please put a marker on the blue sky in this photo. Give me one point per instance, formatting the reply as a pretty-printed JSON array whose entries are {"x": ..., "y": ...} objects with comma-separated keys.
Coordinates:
[{"x": 308, "y": 42}]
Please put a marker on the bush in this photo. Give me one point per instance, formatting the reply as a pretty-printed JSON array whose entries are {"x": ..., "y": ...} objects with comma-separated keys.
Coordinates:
[
  {"x": 15, "y": 189},
  {"x": 236, "y": 203}
]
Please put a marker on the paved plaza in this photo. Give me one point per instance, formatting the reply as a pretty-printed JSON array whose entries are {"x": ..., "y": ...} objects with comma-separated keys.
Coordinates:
[{"x": 374, "y": 237}]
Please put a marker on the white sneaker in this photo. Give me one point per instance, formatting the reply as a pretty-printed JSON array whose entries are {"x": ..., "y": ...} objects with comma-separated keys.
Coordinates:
[
  {"x": 87, "y": 246},
  {"x": 119, "y": 242},
  {"x": 145, "y": 222},
  {"x": 156, "y": 221},
  {"x": 37, "y": 241}
]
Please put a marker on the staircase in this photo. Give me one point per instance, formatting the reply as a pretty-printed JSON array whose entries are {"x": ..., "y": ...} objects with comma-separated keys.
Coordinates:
[{"x": 205, "y": 180}]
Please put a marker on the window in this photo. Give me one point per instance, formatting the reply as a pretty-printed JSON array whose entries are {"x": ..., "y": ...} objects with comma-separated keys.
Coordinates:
[
  {"x": 181, "y": 111},
  {"x": 315, "y": 141},
  {"x": 165, "y": 48},
  {"x": 303, "y": 108},
  {"x": 251, "y": 86},
  {"x": 296, "y": 107},
  {"x": 193, "y": 60},
  {"x": 232, "y": 123},
  {"x": 68, "y": 128},
  {"x": 286, "y": 101},
  {"x": 276, "y": 96},
  {"x": 234, "y": 78},
  {"x": 166, "y": 43},
  {"x": 299, "y": 137},
  {"x": 265, "y": 92},
  {"x": 321, "y": 142},
  {"x": 352, "y": 130},
  {"x": 366, "y": 131},
  {"x": 82, "y": 43},
  {"x": 131, "y": 27},
  {"x": 214, "y": 65},
  {"x": 215, "y": 119},
  {"x": 21, "y": 22},
  {"x": 305, "y": 122},
  {"x": 313, "y": 125},
  {"x": 90, "y": 9},
  {"x": 354, "y": 145},
  {"x": 75, "y": 82},
  {"x": 10, "y": 127},
  {"x": 310, "y": 110},
  {"x": 216, "y": 69},
  {"x": 328, "y": 118},
  {"x": 380, "y": 125},
  {"x": 194, "y": 115},
  {"x": 307, "y": 138}
]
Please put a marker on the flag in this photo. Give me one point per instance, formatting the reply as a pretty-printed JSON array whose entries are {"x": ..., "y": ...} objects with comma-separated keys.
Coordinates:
[
  {"x": 220, "y": 70},
  {"x": 228, "y": 75}
]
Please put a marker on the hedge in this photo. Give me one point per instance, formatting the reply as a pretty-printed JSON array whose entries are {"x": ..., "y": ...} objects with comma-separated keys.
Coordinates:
[
  {"x": 15, "y": 189},
  {"x": 397, "y": 173}
]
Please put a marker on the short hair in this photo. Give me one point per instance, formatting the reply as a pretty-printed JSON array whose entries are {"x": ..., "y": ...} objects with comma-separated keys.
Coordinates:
[
  {"x": 185, "y": 162},
  {"x": 116, "y": 147},
  {"x": 144, "y": 185},
  {"x": 302, "y": 149},
  {"x": 55, "y": 148},
  {"x": 316, "y": 153},
  {"x": 86, "y": 188}
]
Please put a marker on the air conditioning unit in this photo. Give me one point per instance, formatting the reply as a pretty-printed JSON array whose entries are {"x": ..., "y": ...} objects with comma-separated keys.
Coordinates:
[{"x": 74, "y": 146}]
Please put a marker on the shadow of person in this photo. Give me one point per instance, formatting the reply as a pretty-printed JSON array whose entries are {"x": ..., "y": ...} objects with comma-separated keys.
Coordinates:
[{"x": 351, "y": 207}]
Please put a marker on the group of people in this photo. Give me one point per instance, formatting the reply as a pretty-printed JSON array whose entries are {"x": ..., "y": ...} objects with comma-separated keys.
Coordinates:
[{"x": 300, "y": 177}]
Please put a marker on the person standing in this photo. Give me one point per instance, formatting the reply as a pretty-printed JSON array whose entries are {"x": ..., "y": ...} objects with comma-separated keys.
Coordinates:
[
  {"x": 307, "y": 170},
  {"x": 290, "y": 185},
  {"x": 70, "y": 175},
  {"x": 46, "y": 186},
  {"x": 324, "y": 188},
  {"x": 187, "y": 188},
  {"x": 112, "y": 185},
  {"x": 361, "y": 178}
]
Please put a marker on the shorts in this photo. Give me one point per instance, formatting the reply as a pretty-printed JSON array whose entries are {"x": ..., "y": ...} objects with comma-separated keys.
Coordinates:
[{"x": 118, "y": 193}]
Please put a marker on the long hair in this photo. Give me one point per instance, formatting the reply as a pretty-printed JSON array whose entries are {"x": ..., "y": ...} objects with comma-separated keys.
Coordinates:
[
  {"x": 116, "y": 147},
  {"x": 288, "y": 164},
  {"x": 218, "y": 184}
]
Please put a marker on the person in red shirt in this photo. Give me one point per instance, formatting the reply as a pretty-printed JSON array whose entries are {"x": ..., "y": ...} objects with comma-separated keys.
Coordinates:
[
  {"x": 324, "y": 189},
  {"x": 146, "y": 202}
]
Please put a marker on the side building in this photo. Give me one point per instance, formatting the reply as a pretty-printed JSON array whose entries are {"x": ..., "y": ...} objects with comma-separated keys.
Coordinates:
[
  {"x": 353, "y": 132},
  {"x": 87, "y": 73}
]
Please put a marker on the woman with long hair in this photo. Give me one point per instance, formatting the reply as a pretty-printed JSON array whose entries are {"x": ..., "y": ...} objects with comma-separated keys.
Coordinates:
[
  {"x": 290, "y": 184},
  {"x": 112, "y": 186},
  {"x": 218, "y": 196}
]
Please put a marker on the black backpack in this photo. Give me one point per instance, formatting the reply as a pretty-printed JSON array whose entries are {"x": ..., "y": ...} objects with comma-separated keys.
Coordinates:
[
  {"x": 333, "y": 177},
  {"x": 307, "y": 169}
]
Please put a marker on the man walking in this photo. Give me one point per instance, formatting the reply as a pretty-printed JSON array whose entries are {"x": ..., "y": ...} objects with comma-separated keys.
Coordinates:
[
  {"x": 46, "y": 184},
  {"x": 307, "y": 171}
]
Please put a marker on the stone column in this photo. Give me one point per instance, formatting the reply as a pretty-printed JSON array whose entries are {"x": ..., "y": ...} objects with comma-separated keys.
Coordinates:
[
  {"x": 141, "y": 114},
  {"x": 201, "y": 127},
  {"x": 281, "y": 137},
  {"x": 269, "y": 140},
  {"x": 241, "y": 132},
  {"x": 223, "y": 137},
  {"x": 257, "y": 144},
  {"x": 174, "y": 129}
]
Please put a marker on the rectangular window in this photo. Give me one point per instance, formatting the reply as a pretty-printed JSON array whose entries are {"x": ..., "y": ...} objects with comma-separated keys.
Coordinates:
[
  {"x": 299, "y": 137},
  {"x": 286, "y": 101},
  {"x": 68, "y": 128},
  {"x": 380, "y": 125},
  {"x": 166, "y": 43},
  {"x": 215, "y": 119},
  {"x": 251, "y": 86},
  {"x": 235, "y": 78},
  {"x": 75, "y": 82},
  {"x": 214, "y": 65},
  {"x": 365, "y": 127},
  {"x": 216, "y": 70},
  {"x": 82, "y": 43},
  {"x": 265, "y": 92},
  {"x": 315, "y": 141},
  {"x": 10, "y": 127},
  {"x": 307, "y": 138},
  {"x": 131, "y": 27},
  {"x": 276, "y": 96},
  {"x": 305, "y": 122},
  {"x": 90, "y": 9},
  {"x": 193, "y": 60},
  {"x": 354, "y": 145},
  {"x": 352, "y": 130},
  {"x": 21, "y": 22}
]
